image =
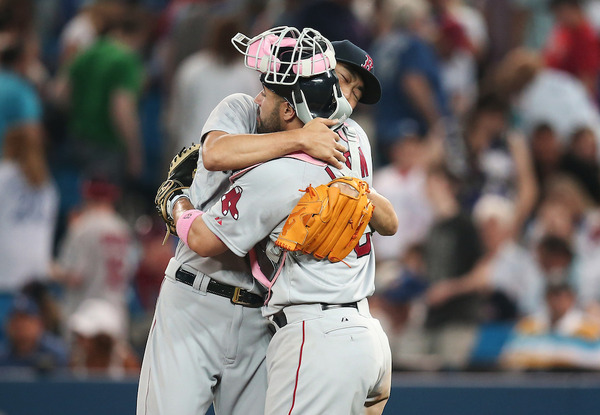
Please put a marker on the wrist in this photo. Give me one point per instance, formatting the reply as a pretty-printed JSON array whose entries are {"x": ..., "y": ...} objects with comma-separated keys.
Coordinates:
[
  {"x": 171, "y": 203},
  {"x": 296, "y": 140}
]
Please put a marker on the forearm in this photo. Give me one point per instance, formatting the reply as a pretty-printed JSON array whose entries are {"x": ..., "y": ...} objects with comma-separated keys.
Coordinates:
[
  {"x": 527, "y": 187},
  {"x": 384, "y": 219},
  {"x": 128, "y": 127},
  {"x": 222, "y": 151},
  {"x": 418, "y": 90},
  {"x": 126, "y": 120},
  {"x": 250, "y": 149}
]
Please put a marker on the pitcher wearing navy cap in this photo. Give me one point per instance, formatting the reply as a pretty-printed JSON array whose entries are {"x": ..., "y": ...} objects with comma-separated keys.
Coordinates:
[{"x": 352, "y": 58}]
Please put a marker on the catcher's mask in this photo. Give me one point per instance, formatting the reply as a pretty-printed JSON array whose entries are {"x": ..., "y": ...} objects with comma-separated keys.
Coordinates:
[{"x": 284, "y": 54}]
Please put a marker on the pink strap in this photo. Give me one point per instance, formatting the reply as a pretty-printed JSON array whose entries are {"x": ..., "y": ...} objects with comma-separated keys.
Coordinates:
[
  {"x": 185, "y": 223},
  {"x": 305, "y": 157},
  {"x": 260, "y": 276}
]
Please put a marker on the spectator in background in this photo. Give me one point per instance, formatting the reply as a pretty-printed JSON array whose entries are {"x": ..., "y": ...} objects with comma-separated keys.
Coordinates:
[
  {"x": 28, "y": 343},
  {"x": 534, "y": 23},
  {"x": 543, "y": 95},
  {"x": 154, "y": 256},
  {"x": 472, "y": 20},
  {"x": 458, "y": 65},
  {"x": 566, "y": 211},
  {"x": 573, "y": 45},
  {"x": 102, "y": 89},
  {"x": 413, "y": 101},
  {"x": 452, "y": 248},
  {"x": 203, "y": 80},
  {"x": 86, "y": 26},
  {"x": 98, "y": 347},
  {"x": 317, "y": 14},
  {"x": 497, "y": 159},
  {"x": 581, "y": 161},
  {"x": 507, "y": 271},
  {"x": 503, "y": 24},
  {"x": 401, "y": 309},
  {"x": 28, "y": 196},
  {"x": 45, "y": 295},
  {"x": 403, "y": 183},
  {"x": 547, "y": 152},
  {"x": 97, "y": 258},
  {"x": 17, "y": 17},
  {"x": 561, "y": 335}
]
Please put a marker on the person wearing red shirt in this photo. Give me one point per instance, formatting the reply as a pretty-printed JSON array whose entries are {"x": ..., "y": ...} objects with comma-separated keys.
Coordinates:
[{"x": 573, "y": 45}]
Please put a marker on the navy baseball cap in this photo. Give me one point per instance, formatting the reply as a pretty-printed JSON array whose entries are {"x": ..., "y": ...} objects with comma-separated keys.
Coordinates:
[{"x": 360, "y": 61}]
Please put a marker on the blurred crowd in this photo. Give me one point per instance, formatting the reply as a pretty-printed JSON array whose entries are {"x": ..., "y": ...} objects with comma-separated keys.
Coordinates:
[{"x": 486, "y": 141}]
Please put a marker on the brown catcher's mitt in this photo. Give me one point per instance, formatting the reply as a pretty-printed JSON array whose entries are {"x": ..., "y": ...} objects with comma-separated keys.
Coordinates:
[
  {"x": 329, "y": 220},
  {"x": 181, "y": 174}
]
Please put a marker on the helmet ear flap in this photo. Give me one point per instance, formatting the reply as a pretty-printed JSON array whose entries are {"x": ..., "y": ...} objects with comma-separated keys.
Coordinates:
[
  {"x": 343, "y": 109},
  {"x": 300, "y": 105}
]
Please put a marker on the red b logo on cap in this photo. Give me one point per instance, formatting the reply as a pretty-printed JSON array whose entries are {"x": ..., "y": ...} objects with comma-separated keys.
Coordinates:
[{"x": 368, "y": 65}]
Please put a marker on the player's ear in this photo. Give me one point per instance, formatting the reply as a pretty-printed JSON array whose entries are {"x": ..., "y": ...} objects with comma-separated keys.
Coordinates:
[{"x": 287, "y": 111}]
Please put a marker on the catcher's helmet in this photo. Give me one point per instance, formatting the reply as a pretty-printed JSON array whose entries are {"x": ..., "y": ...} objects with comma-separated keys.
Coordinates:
[
  {"x": 298, "y": 66},
  {"x": 283, "y": 54},
  {"x": 315, "y": 96},
  {"x": 320, "y": 96}
]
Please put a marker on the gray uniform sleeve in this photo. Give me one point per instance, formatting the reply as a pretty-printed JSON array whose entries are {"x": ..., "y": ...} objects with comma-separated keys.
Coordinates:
[
  {"x": 236, "y": 114},
  {"x": 256, "y": 204}
]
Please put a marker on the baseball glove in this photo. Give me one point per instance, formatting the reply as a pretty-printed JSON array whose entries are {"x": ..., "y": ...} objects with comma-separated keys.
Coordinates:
[
  {"x": 180, "y": 176},
  {"x": 329, "y": 220}
]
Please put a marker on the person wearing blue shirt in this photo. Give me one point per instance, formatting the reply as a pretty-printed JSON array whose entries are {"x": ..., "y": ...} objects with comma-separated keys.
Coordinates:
[
  {"x": 29, "y": 344},
  {"x": 413, "y": 100},
  {"x": 19, "y": 102}
]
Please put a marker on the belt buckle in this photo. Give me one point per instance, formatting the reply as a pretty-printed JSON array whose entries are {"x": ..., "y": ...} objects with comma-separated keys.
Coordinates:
[{"x": 235, "y": 299}]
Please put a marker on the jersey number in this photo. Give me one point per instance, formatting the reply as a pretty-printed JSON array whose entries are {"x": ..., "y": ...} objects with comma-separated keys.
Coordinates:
[{"x": 365, "y": 248}]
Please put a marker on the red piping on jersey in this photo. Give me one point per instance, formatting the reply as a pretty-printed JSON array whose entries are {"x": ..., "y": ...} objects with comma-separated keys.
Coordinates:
[{"x": 298, "y": 370}]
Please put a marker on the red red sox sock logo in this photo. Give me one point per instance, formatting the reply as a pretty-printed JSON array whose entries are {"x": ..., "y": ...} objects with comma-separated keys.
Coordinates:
[
  {"x": 368, "y": 65},
  {"x": 229, "y": 202}
]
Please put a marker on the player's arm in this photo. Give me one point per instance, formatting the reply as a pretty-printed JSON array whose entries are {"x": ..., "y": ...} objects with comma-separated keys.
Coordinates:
[
  {"x": 384, "y": 219},
  {"x": 527, "y": 188},
  {"x": 200, "y": 238},
  {"x": 223, "y": 151},
  {"x": 126, "y": 119},
  {"x": 418, "y": 89}
]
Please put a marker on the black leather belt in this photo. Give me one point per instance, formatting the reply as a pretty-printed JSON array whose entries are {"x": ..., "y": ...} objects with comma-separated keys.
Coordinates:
[
  {"x": 280, "y": 319},
  {"x": 237, "y": 295}
]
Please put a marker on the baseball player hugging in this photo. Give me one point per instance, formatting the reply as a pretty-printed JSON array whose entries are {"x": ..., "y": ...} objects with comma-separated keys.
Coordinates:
[{"x": 287, "y": 239}]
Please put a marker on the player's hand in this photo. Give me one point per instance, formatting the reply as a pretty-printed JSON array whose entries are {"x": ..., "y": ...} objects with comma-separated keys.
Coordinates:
[{"x": 322, "y": 143}]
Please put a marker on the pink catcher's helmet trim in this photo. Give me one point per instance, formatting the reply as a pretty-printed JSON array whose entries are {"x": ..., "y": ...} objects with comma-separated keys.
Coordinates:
[{"x": 284, "y": 54}]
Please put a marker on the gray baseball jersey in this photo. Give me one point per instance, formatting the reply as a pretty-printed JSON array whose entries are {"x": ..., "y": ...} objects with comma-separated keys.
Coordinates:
[
  {"x": 262, "y": 198},
  {"x": 319, "y": 346},
  {"x": 203, "y": 349},
  {"x": 229, "y": 361},
  {"x": 236, "y": 114}
]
